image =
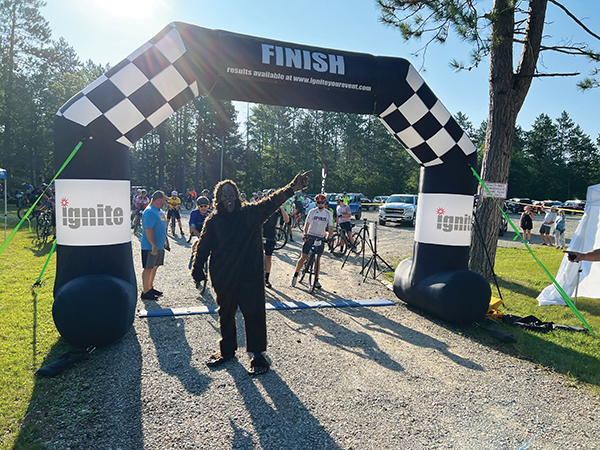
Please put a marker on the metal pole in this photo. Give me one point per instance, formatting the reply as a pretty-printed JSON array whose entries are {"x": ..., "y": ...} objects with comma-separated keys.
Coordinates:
[{"x": 579, "y": 270}]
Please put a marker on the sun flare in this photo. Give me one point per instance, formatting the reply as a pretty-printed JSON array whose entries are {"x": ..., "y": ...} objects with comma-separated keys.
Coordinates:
[{"x": 129, "y": 8}]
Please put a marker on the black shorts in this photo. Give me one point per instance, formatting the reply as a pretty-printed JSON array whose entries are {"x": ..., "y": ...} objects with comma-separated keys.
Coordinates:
[
  {"x": 346, "y": 226},
  {"x": 269, "y": 246},
  {"x": 310, "y": 242},
  {"x": 545, "y": 229},
  {"x": 173, "y": 213}
]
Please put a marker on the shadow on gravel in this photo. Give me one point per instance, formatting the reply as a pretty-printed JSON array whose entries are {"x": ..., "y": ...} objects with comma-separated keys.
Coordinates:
[
  {"x": 174, "y": 352},
  {"x": 282, "y": 420},
  {"x": 381, "y": 324},
  {"x": 94, "y": 405}
]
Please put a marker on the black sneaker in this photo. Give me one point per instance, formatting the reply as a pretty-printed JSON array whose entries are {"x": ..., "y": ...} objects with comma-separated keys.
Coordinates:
[
  {"x": 155, "y": 292},
  {"x": 268, "y": 284},
  {"x": 149, "y": 296},
  {"x": 317, "y": 285}
]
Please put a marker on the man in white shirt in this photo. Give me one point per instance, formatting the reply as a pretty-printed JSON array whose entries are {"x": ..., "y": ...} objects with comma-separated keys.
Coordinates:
[
  {"x": 547, "y": 225},
  {"x": 318, "y": 220}
]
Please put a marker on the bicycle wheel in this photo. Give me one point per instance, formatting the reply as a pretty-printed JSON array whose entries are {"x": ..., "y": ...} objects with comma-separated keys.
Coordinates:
[
  {"x": 338, "y": 244},
  {"x": 43, "y": 228},
  {"x": 23, "y": 210},
  {"x": 280, "y": 237},
  {"x": 307, "y": 265},
  {"x": 189, "y": 204},
  {"x": 359, "y": 243},
  {"x": 137, "y": 221},
  {"x": 203, "y": 284},
  {"x": 313, "y": 274},
  {"x": 173, "y": 225},
  {"x": 300, "y": 222}
]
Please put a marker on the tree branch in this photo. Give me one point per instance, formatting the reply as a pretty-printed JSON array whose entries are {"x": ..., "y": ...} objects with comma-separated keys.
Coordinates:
[{"x": 575, "y": 19}]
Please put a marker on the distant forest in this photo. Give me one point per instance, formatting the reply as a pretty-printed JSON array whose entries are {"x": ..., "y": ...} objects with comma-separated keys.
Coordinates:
[{"x": 204, "y": 140}]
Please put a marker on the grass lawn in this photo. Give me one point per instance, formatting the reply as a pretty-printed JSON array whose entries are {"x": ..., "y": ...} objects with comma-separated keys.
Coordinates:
[{"x": 28, "y": 337}]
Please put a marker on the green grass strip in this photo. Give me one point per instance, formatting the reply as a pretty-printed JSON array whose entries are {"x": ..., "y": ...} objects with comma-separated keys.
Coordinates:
[
  {"x": 11, "y": 235},
  {"x": 558, "y": 286}
]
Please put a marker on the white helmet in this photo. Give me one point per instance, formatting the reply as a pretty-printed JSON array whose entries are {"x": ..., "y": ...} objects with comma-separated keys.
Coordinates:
[{"x": 174, "y": 194}]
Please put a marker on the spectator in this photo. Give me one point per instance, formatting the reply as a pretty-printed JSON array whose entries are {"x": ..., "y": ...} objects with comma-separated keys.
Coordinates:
[
  {"x": 154, "y": 242},
  {"x": 269, "y": 230},
  {"x": 526, "y": 223},
  {"x": 549, "y": 219},
  {"x": 232, "y": 237},
  {"x": 559, "y": 230}
]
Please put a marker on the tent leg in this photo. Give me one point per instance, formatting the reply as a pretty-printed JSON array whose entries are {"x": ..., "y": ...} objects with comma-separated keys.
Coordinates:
[{"x": 579, "y": 270}]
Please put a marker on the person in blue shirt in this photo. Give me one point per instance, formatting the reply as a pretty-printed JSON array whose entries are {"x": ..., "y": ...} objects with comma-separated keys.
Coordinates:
[
  {"x": 199, "y": 215},
  {"x": 154, "y": 242}
]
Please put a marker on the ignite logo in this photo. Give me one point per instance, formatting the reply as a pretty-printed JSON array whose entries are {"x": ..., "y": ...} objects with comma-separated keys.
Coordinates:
[
  {"x": 100, "y": 216},
  {"x": 452, "y": 223}
]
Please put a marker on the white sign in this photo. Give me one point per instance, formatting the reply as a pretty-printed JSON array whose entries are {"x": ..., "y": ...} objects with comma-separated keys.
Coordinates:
[
  {"x": 498, "y": 190},
  {"x": 92, "y": 212},
  {"x": 444, "y": 219}
]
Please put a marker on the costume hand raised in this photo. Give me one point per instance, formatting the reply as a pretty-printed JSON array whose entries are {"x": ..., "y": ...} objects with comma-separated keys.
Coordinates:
[{"x": 300, "y": 181}]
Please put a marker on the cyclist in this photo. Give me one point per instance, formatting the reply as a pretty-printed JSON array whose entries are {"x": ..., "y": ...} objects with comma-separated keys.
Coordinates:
[
  {"x": 243, "y": 198},
  {"x": 288, "y": 207},
  {"x": 299, "y": 204},
  {"x": 318, "y": 220},
  {"x": 269, "y": 230},
  {"x": 343, "y": 218},
  {"x": 199, "y": 215},
  {"x": 139, "y": 203},
  {"x": 174, "y": 203}
]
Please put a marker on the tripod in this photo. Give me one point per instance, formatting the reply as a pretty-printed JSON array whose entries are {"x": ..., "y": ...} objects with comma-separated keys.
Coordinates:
[
  {"x": 372, "y": 263},
  {"x": 361, "y": 236}
]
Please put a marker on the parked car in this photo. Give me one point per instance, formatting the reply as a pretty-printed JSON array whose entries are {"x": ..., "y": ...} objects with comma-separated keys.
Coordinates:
[
  {"x": 354, "y": 203},
  {"x": 517, "y": 205},
  {"x": 366, "y": 204},
  {"x": 399, "y": 208},
  {"x": 575, "y": 206},
  {"x": 380, "y": 199}
]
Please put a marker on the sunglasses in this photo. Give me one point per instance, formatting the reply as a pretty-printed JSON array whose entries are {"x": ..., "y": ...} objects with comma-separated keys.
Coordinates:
[
  {"x": 321, "y": 202},
  {"x": 203, "y": 206}
]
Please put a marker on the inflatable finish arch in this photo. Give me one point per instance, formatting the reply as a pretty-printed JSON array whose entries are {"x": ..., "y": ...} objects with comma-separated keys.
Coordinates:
[{"x": 95, "y": 290}]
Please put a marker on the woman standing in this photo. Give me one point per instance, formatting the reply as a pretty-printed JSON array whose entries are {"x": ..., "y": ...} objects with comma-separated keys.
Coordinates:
[{"x": 526, "y": 223}]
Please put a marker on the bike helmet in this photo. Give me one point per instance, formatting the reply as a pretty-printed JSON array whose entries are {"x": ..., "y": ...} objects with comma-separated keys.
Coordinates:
[
  {"x": 174, "y": 194},
  {"x": 139, "y": 191},
  {"x": 143, "y": 191},
  {"x": 339, "y": 197},
  {"x": 202, "y": 201},
  {"x": 320, "y": 198}
]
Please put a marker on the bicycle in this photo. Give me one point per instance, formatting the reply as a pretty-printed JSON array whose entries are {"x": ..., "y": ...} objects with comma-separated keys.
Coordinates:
[
  {"x": 44, "y": 226},
  {"x": 312, "y": 263},
  {"x": 173, "y": 223},
  {"x": 299, "y": 220},
  {"x": 281, "y": 237},
  {"x": 189, "y": 202},
  {"x": 136, "y": 221},
  {"x": 340, "y": 242}
]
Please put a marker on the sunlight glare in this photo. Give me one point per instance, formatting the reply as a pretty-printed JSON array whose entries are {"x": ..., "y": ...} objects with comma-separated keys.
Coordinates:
[{"x": 129, "y": 8}]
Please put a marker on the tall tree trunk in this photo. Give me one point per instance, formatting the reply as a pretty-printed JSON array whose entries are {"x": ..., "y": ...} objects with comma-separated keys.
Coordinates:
[{"x": 507, "y": 94}]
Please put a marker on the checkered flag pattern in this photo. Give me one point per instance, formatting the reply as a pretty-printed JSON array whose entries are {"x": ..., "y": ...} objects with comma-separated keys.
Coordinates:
[
  {"x": 139, "y": 93},
  {"x": 423, "y": 125}
]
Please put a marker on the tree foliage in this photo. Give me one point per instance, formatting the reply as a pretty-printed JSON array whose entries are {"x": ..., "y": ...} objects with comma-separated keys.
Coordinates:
[{"x": 510, "y": 27}]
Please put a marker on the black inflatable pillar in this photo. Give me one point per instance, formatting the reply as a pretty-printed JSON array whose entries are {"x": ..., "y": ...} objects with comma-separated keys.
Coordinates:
[{"x": 436, "y": 279}]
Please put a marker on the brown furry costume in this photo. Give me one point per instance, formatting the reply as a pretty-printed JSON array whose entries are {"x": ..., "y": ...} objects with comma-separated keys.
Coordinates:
[{"x": 234, "y": 243}]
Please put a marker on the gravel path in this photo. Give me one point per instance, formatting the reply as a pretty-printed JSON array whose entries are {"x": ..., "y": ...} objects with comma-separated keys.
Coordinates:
[{"x": 344, "y": 378}]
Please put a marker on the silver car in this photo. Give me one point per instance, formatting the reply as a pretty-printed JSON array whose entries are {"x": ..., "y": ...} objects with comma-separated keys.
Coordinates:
[{"x": 399, "y": 208}]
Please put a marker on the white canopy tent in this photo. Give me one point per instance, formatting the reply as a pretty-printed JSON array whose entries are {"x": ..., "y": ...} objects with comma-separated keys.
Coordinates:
[{"x": 586, "y": 237}]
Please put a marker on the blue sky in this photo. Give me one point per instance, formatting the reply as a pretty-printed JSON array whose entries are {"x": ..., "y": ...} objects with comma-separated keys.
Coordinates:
[{"x": 106, "y": 31}]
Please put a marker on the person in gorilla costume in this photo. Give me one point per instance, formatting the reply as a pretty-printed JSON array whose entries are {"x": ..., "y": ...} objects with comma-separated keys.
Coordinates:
[{"x": 232, "y": 237}]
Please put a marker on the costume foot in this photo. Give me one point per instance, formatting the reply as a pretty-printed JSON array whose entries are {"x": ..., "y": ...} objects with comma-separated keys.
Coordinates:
[
  {"x": 216, "y": 359},
  {"x": 258, "y": 365}
]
